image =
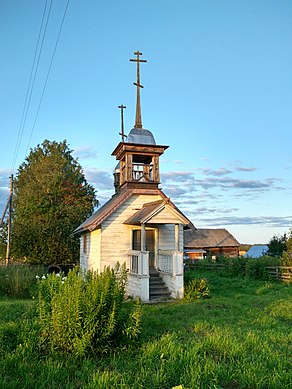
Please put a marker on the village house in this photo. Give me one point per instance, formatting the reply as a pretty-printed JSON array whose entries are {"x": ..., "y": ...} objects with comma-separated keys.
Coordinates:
[{"x": 200, "y": 243}]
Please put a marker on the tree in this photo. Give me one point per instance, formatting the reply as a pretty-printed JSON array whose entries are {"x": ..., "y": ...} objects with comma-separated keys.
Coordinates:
[
  {"x": 51, "y": 198},
  {"x": 287, "y": 254},
  {"x": 277, "y": 245}
]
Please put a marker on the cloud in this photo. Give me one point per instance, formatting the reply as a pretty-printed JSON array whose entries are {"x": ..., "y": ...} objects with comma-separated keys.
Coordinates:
[
  {"x": 272, "y": 221},
  {"x": 177, "y": 176},
  {"x": 101, "y": 179},
  {"x": 191, "y": 182},
  {"x": 245, "y": 169},
  {"x": 236, "y": 183},
  {"x": 85, "y": 152},
  {"x": 219, "y": 172}
]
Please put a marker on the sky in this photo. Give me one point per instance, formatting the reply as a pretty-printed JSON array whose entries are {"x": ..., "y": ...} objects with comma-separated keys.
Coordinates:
[{"x": 217, "y": 91}]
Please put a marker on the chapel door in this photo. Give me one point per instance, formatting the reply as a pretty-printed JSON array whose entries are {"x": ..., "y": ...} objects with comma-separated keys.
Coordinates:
[
  {"x": 150, "y": 246},
  {"x": 150, "y": 243}
]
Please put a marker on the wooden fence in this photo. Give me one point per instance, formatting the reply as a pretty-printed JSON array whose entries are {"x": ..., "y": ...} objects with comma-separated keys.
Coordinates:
[{"x": 282, "y": 273}]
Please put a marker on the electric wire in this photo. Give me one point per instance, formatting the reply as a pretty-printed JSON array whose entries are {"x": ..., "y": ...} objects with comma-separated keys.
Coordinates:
[
  {"x": 47, "y": 77},
  {"x": 31, "y": 83}
]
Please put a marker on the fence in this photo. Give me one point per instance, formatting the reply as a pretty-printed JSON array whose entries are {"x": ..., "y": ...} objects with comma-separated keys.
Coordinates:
[{"x": 281, "y": 273}]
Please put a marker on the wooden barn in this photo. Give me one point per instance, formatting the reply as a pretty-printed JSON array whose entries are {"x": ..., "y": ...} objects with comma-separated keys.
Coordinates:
[
  {"x": 202, "y": 242},
  {"x": 139, "y": 225}
]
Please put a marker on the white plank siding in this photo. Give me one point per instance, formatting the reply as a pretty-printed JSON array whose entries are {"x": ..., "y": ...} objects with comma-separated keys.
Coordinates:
[
  {"x": 90, "y": 257},
  {"x": 166, "y": 237},
  {"x": 165, "y": 216},
  {"x": 116, "y": 236}
]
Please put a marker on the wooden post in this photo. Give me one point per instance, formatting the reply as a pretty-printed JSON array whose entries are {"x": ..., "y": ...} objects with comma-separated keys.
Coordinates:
[
  {"x": 143, "y": 237},
  {"x": 176, "y": 232},
  {"x": 9, "y": 229}
]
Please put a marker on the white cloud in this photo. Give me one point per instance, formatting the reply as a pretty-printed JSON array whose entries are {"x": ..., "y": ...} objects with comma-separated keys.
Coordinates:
[{"x": 85, "y": 152}]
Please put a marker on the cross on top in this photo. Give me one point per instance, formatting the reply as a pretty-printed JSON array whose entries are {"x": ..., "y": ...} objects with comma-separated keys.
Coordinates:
[
  {"x": 122, "y": 133},
  {"x": 138, "y": 121}
]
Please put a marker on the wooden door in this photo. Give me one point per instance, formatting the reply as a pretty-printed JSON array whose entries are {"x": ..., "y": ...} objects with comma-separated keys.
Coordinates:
[
  {"x": 150, "y": 243},
  {"x": 150, "y": 246}
]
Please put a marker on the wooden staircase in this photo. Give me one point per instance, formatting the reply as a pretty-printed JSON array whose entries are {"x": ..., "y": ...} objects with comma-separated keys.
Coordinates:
[{"x": 157, "y": 288}]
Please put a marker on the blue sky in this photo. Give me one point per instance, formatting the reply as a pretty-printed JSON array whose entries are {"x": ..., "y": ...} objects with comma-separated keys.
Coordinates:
[{"x": 217, "y": 90}]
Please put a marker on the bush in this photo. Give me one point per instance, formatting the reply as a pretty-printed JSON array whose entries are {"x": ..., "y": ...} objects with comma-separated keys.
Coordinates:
[
  {"x": 18, "y": 280},
  {"x": 196, "y": 289},
  {"x": 87, "y": 313},
  {"x": 256, "y": 268}
]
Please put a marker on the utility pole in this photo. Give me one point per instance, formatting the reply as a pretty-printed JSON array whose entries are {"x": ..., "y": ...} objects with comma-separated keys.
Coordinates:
[{"x": 9, "y": 229}]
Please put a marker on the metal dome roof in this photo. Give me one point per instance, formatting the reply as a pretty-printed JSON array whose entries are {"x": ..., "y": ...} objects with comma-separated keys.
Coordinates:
[{"x": 141, "y": 136}]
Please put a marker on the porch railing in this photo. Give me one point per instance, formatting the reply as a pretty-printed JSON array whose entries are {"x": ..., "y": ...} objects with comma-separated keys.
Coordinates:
[
  {"x": 138, "y": 262},
  {"x": 170, "y": 262}
]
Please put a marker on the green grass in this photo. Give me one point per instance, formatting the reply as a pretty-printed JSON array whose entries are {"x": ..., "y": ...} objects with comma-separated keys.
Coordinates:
[{"x": 240, "y": 337}]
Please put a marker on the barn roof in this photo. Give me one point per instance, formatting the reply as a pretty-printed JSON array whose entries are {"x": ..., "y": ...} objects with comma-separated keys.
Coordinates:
[
  {"x": 205, "y": 237},
  {"x": 116, "y": 201}
]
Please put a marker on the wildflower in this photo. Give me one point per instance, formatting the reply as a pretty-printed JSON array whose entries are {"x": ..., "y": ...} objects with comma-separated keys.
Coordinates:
[
  {"x": 64, "y": 278},
  {"x": 58, "y": 275},
  {"x": 37, "y": 277},
  {"x": 43, "y": 277}
]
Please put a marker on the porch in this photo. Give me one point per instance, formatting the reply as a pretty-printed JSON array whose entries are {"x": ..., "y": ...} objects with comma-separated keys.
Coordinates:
[{"x": 167, "y": 264}]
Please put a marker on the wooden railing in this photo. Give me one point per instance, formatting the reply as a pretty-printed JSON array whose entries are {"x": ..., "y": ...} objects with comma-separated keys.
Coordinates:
[
  {"x": 170, "y": 262},
  {"x": 142, "y": 171},
  {"x": 138, "y": 262}
]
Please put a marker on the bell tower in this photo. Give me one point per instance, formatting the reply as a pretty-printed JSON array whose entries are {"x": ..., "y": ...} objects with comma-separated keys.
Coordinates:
[{"x": 138, "y": 156}]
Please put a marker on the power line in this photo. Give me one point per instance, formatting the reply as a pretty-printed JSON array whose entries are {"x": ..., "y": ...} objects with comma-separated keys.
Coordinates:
[
  {"x": 31, "y": 83},
  {"x": 47, "y": 77}
]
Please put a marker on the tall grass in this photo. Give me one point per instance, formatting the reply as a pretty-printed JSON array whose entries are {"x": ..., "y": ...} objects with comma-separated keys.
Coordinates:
[
  {"x": 238, "y": 338},
  {"x": 86, "y": 313},
  {"x": 19, "y": 280}
]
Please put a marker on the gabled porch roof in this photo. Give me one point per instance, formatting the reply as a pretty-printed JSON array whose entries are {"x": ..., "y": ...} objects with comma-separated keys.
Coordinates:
[{"x": 158, "y": 212}]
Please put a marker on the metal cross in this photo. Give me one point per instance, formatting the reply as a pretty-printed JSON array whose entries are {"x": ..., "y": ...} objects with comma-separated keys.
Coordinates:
[
  {"x": 138, "y": 121},
  {"x": 122, "y": 133}
]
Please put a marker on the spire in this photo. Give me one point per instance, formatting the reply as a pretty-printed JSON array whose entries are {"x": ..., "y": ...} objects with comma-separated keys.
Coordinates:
[
  {"x": 138, "y": 120},
  {"x": 122, "y": 133}
]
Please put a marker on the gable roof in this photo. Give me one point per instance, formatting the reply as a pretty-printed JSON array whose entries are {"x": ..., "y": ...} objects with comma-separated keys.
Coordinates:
[
  {"x": 94, "y": 221},
  {"x": 206, "y": 237},
  {"x": 151, "y": 211}
]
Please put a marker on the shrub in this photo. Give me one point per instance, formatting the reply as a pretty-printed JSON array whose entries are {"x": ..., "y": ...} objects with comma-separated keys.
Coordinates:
[
  {"x": 256, "y": 268},
  {"x": 18, "y": 280},
  {"x": 87, "y": 313},
  {"x": 196, "y": 289}
]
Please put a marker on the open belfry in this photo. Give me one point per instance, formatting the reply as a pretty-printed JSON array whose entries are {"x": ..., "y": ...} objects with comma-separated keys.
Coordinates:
[{"x": 139, "y": 225}]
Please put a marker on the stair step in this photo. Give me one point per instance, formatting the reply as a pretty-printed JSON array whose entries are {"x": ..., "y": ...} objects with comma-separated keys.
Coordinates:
[{"x": 157, "y": 288}]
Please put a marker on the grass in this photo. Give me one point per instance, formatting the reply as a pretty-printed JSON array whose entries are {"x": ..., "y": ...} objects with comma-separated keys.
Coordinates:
[{"x": 240, "y": 337}]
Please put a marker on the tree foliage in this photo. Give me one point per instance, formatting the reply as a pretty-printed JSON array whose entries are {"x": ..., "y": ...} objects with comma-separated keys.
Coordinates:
[
  {"x": 51, "y": 198},
  {"x": 287, "y": 254},
  {"x": 277, "y": 245}
]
